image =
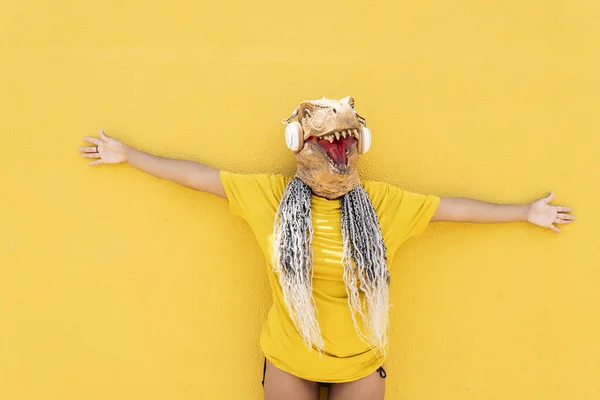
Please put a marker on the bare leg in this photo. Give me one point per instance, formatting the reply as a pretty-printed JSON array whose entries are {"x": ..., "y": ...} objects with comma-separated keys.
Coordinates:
[
  {"x": 371, "y": 387},
  {"x": 281, "y": 385}
]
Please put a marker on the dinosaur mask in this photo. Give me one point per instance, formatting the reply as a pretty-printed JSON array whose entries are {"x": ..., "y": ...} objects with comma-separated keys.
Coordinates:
[{"x": 327, "y": 139}]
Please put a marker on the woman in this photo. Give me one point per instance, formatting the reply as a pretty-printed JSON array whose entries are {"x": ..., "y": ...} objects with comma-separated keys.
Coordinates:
[{"x": 327, "y": 236}]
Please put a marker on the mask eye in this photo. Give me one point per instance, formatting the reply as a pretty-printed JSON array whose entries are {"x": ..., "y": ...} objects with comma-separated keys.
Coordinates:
[{"x": 306, "y": 113}]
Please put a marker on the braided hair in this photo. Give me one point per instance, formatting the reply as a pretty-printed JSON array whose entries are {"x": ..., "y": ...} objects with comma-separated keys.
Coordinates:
[{"x": 364, "y": 261}]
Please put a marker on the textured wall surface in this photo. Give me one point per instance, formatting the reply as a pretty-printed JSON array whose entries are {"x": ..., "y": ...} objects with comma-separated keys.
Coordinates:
[{"x": 116, "y": 285}]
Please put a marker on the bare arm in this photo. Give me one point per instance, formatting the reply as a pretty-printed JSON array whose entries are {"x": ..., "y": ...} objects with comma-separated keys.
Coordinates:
[
  {"x": 469, "y": 210},
  {"x": 187, "y": 173}
]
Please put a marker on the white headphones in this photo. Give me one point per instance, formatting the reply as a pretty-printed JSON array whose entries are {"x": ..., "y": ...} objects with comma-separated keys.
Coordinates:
[{"x": 294, "y": 135}]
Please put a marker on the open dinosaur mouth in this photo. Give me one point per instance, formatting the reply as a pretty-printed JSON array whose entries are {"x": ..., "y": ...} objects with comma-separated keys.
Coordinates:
[{"x": 336, "y": 146}]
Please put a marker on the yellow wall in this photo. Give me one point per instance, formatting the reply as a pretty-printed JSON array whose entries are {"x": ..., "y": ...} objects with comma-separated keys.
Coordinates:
[{"x": 115, "y": 285}]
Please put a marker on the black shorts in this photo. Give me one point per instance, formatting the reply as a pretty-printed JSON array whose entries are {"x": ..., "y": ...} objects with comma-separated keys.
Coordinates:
[{"x": 381, "y": 371}]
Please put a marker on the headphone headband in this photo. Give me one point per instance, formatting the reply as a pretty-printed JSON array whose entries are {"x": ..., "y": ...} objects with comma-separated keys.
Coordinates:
[{"x": 291, "y": 117}]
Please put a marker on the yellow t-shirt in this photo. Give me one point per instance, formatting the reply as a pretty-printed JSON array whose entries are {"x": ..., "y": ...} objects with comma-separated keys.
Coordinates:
[{"x": 346, "y": 357}]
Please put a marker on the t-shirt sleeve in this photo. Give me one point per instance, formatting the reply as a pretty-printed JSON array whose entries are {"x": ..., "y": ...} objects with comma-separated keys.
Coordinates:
[
  {"x": 402, "y": 214},
  {"x": 252, "y": 194}
]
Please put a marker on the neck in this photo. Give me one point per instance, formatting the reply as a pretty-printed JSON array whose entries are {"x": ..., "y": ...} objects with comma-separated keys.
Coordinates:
[{"x": 327, "y": 184}]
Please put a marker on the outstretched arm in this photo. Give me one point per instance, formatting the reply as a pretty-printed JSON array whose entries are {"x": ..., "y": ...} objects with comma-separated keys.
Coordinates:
[
  {"x": 539, "y": 213},
  {"x": 107, "y": 150}
]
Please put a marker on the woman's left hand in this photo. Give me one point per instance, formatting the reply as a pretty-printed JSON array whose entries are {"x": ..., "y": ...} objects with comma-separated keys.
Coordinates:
[{"x": 543, "y": 214}]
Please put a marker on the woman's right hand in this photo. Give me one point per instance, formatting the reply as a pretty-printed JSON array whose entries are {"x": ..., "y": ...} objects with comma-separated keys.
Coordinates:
[
  {"x": 107, "y": 150},
  {"x": 184, "y": 172}
]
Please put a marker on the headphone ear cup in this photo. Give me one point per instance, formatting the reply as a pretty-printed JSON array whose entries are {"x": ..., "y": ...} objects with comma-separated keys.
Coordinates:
[
  {"x": 294, "y": 137},
  {"x": 364, "y": 144}
]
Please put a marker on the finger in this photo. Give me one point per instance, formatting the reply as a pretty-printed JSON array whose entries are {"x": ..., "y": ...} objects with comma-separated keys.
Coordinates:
[
  {"x": 555, "y": 229},
  {"x": 91, "y": 155},
  {"x": 562, "y": 221},
  {"x": 549, "y": 198},
  {"x": 97, "y": 162},
  {"x": 564, "y": 209},
  {"x": 88, "y": 149},
  {"x": 103, "y": 135},
  {"x": 566, "y": 216},
  {"x": 92, "y": 140}
]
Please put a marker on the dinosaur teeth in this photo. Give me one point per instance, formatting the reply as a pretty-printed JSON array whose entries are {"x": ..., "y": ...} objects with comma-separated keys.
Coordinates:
[{"x": 340, "y": 134}]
